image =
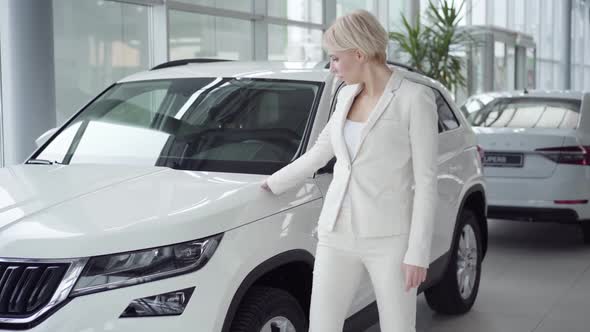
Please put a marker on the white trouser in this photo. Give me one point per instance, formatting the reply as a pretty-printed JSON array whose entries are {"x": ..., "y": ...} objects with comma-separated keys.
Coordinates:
[{"x": 339, "y": 263}]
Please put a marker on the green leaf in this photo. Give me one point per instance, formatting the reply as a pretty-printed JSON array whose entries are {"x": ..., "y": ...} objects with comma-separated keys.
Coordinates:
[{"x": 431, "y": 47}]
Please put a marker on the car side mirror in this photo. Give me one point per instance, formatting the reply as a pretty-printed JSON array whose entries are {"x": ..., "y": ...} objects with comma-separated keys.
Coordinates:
[
  {"x": 329, "y": 168},
  {"x": 44, "y": 137}
]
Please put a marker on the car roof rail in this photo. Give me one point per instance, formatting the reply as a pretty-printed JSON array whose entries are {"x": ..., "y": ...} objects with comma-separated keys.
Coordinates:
[
  {"x": 394, "y": 63},
  {"x": 183, "y": 62}
]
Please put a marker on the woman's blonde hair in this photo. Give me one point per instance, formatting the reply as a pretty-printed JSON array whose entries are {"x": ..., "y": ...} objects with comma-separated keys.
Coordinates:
[{"x": 357, "y": 30}]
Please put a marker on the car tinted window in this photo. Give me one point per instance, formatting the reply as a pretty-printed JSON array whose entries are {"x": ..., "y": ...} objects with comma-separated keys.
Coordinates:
[
  {"x": 524, "y": 113},
  {"x": 140, "y": 109},
  {"x": 216, "y": 124},
  {"x": 447, "y": 119}
]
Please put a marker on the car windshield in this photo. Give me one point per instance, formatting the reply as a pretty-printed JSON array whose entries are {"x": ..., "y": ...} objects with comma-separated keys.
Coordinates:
[
  {"x": 238, "y": 125},
  {"x": 522, "y": 112}
]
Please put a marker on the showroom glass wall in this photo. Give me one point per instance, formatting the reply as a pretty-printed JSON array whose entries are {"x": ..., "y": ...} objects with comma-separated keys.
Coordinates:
[
  {"x": 95, "y": 44},
  {"x": 545, "y": 21},
  {"x": 98, "y": 42},
  {"x": 581, "y": 45}
]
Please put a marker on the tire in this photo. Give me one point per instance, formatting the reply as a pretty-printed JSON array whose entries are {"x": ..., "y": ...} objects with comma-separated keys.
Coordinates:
[
  {"x": 446, "y": 297},
  {"x": 264, "y": 307},
  {"x": 585, "y": 225}
]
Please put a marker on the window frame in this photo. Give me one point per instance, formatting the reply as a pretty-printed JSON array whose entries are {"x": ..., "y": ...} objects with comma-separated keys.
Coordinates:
[{"x": 442, "y": 126}]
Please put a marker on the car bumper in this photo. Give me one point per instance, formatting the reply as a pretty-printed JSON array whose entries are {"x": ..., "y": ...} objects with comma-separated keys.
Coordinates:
[
  {"x": 560, "y": 215},
  {"x": 535, "y": 199}
]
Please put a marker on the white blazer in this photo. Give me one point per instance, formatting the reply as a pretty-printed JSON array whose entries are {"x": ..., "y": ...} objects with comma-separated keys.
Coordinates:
[{"x": 393, "y": 177}]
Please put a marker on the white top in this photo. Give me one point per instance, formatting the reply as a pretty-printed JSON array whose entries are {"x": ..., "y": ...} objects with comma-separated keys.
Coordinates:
[{"x": 352, "y": 134}]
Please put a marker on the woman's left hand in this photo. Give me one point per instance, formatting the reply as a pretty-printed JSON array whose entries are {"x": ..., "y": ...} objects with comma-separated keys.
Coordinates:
[{"x": 415, "y": 275}]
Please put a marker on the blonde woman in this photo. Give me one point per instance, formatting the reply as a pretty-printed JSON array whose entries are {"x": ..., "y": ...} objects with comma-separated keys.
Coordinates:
[{"x": 384, "y": 134}]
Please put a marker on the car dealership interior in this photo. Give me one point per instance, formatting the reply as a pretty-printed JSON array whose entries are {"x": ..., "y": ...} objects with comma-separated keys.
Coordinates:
[{"x": 134, "y": 135}]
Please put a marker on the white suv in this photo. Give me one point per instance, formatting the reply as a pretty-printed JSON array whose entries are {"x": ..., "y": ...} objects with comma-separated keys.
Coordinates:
[
  {"x": 144, "y": 211},
  {"x": 537, "y": 154}
]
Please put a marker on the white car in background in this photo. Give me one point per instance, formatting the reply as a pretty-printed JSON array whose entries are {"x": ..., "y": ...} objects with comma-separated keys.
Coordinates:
[
  {"x": 144, "y": 211},
  {"x": 537, "y": 154}
]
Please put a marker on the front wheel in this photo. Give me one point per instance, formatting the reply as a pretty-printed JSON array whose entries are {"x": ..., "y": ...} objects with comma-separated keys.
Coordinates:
[
  {"x": 267, "y": 309},
  {"x": 457, "y": 290}
]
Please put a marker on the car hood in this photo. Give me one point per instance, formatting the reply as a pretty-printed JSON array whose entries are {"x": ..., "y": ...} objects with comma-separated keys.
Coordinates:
[{"x": 66, "y": 211}]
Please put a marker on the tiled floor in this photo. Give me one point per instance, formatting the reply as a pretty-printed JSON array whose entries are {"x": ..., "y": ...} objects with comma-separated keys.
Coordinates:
[{"x": 536, "y": 277}]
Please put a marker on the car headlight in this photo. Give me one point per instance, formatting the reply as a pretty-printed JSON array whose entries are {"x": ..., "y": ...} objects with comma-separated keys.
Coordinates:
[{"x": 126, "y": 269}]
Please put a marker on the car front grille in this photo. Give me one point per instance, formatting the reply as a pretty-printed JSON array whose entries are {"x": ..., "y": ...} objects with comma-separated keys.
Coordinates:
[{"x": 27, "y": 287}]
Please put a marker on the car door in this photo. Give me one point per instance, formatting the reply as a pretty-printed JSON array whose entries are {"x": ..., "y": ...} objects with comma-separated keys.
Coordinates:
[{"x": 452, "y": 166}]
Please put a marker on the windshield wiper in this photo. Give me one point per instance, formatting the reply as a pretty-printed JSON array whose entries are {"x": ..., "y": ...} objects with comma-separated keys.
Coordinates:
[{"x": 42, "y": 162}]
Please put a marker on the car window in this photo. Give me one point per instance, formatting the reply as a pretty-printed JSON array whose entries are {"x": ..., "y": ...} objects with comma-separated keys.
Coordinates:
[
  {"x": 525, "y": 113},
  {"x": 446, "y": 117},
  {"x": 140, "y": 109},
  {"x": 217, "y": 124}
]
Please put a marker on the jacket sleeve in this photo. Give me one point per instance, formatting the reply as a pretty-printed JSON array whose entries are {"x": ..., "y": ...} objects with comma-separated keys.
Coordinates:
[
  {"x": 423, "y": 131},
  {"x": 295, "y": 172}
]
